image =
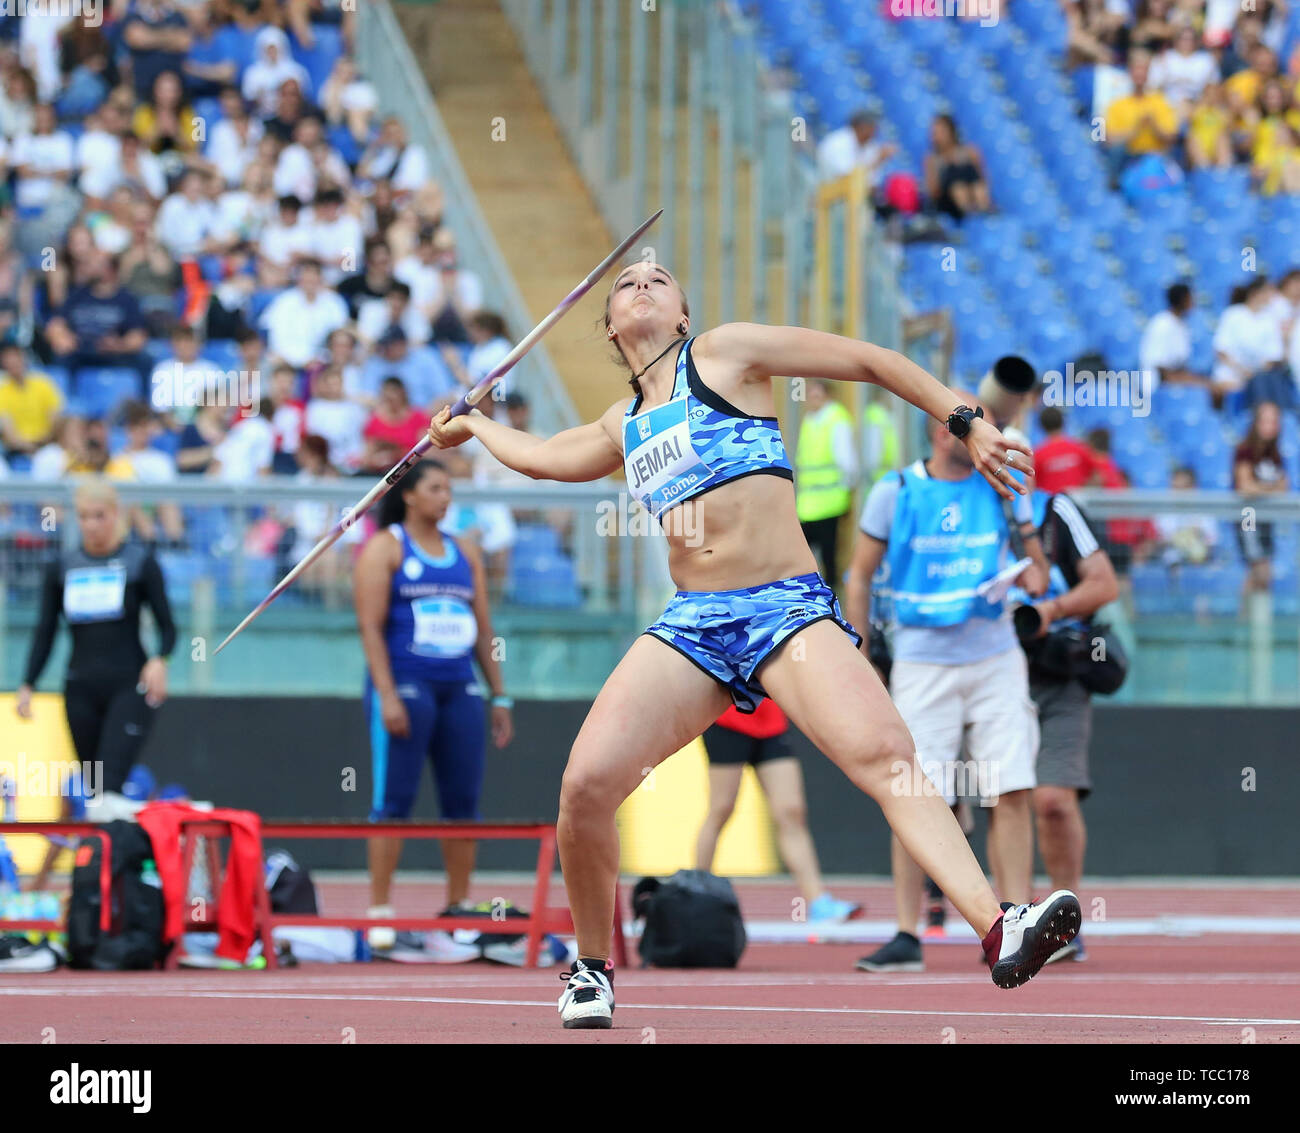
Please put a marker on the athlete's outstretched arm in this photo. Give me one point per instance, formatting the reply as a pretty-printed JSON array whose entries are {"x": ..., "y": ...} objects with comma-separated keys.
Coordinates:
[
  {"x": 759, "y": 352},
  {"x": 587, "y": 452}
]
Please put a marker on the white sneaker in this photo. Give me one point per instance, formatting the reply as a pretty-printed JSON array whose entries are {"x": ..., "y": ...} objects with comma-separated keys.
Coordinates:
[
  {"x": 18, "y": 954},
  {"x": 112, "y": 807},
  {"x": 588, "y": 998},
  {"x": 442, "y": 949},
  {"x": 380, "y": 938},
  {"x": 1027, "y": 936}
]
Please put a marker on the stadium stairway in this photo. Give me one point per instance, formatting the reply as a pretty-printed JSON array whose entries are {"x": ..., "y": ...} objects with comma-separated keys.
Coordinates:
[{"x": 544, "y": 220}]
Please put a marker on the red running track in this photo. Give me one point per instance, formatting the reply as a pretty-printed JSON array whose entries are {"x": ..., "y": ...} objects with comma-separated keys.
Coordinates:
[
  {"x": 1208, "y": 989},
  {"x": 1131, "y": 991}
]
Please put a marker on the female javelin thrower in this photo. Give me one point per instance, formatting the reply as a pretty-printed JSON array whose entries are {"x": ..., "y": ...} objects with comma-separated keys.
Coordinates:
[{"x": 702, "y": 451}]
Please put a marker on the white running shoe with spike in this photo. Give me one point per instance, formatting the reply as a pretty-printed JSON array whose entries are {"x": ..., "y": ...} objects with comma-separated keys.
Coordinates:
[
  {"x": 1025, "y": 937},
  {"x": 588, "y": 998}
]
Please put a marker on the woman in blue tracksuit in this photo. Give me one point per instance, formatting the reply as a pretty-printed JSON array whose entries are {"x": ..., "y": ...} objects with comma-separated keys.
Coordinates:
[{"x": 422, "y": 609}]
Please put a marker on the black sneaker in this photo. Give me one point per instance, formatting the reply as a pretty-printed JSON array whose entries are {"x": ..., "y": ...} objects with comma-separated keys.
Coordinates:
[
  {"x": 588, "y": 998},
  {"x": 902, "y": 954}
]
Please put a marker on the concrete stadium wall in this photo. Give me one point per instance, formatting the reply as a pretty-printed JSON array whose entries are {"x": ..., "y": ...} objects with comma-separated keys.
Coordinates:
[{"x": 1168, "y": 798}]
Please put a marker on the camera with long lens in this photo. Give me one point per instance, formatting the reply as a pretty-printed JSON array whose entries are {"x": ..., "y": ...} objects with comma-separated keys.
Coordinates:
[
  {"x": 1062, "y": 653},
  {"x": 1004, "y": 388}
]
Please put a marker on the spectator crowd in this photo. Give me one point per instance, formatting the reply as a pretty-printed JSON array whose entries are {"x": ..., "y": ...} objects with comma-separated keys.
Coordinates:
[
  {"x": 1207, "y": 83},
  {"x": 217, "y": 257}
]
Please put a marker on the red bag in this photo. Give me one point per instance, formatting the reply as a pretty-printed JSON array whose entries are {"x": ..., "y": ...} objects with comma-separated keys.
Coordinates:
[{"x": 902, "y": 193}]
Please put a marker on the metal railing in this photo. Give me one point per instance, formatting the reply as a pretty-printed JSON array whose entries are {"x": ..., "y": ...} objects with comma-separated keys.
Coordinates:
[
  {"x": 1199, "y": 633},
  {"x": 568, "y": 592},
  {"x": 385, "y": 58},
  {"x": 572, "y": 584}
]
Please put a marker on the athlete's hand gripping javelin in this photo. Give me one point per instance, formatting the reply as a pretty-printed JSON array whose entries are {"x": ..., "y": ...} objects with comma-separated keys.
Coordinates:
[{"x": 446, "y": 431}]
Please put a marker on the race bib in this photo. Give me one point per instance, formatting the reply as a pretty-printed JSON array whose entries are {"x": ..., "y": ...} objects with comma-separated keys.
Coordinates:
[
  {"x": 661, "y": 462},
  {"x": 444, "y": 627},
  {"x": 94, "y": 594}
]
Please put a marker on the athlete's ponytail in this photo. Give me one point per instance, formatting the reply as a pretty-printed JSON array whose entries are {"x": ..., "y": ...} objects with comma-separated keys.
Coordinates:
[{"x": 392, "y": 508}]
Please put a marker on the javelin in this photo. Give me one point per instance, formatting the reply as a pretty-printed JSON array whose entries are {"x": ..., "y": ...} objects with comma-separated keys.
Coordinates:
[{"x": 464, "y": 405}]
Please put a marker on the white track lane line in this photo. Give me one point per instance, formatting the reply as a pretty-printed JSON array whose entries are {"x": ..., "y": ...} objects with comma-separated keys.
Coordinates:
[
  {"x": 135, "y": 983},
  {"x": 1212, "y": 1020}
]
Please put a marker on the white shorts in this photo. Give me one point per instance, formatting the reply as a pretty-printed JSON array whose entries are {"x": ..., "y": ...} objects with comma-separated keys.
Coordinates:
[{"x": 987, "y": 704}]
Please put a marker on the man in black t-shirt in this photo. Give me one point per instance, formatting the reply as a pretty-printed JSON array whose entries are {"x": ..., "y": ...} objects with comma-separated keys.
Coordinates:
[
  {"x": 158, "y": 38},
  {"x": 373, "y": 283},
  {"x": 101, "y": 325}
]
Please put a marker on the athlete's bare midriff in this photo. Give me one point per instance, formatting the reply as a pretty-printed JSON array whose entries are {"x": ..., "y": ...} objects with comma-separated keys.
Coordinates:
[{"x": 744, "y": 533}]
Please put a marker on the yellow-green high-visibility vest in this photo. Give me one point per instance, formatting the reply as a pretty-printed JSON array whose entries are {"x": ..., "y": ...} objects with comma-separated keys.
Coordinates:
[
  {"x": 820, "y": 488},
  {"x": 880, "y": 447}
]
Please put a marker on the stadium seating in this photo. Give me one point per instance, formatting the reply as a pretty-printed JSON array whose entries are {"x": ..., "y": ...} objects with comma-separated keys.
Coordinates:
[
  {"x": 99, "y": 389},
  {"x": 1071, "y": 234},
  {"x": 540, "y": 578}
]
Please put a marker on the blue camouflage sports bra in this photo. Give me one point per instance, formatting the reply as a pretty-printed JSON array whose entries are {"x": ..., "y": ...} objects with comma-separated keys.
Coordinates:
[{"x": 695, "y": 442}]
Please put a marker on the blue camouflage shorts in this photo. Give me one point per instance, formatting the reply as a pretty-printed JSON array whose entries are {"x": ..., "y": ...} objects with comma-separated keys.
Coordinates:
[{"x": 730, "y": 633}]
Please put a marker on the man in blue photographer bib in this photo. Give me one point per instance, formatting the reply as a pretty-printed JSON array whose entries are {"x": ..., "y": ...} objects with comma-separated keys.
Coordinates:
[{"x": 958, "y": 672}]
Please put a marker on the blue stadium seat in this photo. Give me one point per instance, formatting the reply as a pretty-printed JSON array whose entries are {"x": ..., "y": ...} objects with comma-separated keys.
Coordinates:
[
  {"x": 1219, "y": 587},
  {"x": 1150, "y": 472},
  {"x": 212, "y": 268},
  {"x": 223, "y": 352},
  {"x": 775, "y": 12},
  {"x": 319, "y": 59},
  {"x": 257, "y": 305},
  {"x": 158, "y": 349},
  {"x": 208, "y": 109},
  {"x": 205, "y": 529},
  {"x": 237, "y": 44},
  {"x": 258, "y": 576},
  {"x": 101, "y": 389},
  {"x": 1152, "y": 591},
  {"x": 536, "y": 540},
  {"x": 1183, "y": 412},
  {"x": 543, "y": 580},
  {"x": 1213, "y": 467},
  {"x": 60, "y": 376},
  {"x": 166, "y": 441},
  {"x": 180, "y": 571},
  {"x": 1218, "y": 189},
  {"x": 340, "y": 137},
  {"x": 1044, "y": 22}
]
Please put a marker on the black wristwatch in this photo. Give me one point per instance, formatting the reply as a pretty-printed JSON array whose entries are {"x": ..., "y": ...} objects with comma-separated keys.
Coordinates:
[{"x": 960, "y": 418}]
